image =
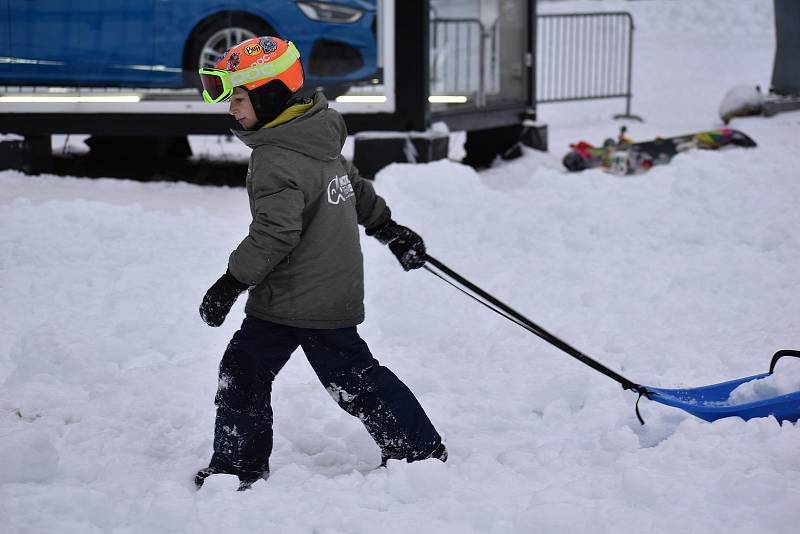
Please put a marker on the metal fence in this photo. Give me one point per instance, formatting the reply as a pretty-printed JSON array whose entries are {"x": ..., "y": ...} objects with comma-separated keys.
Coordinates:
[
  {"x": 460, "y": 51},
  {"x": 584, "y": 56},
  {"x": 581, "y": 56}
]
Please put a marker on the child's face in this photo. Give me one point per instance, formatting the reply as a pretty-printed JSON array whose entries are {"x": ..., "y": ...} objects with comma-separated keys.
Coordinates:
[{"x": 242, "y": 109}]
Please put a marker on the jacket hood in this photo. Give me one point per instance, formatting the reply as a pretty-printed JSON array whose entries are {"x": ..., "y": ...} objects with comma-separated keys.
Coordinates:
[{"x": 319, "y": 133}]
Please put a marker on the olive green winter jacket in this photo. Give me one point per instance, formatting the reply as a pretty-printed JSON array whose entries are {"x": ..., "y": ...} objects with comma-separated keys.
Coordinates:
[{"x": 302, "y": 254}]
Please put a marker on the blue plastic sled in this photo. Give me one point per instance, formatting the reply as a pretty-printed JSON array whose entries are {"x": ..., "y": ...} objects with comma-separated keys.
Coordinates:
[{"x": 711, "y": 402}]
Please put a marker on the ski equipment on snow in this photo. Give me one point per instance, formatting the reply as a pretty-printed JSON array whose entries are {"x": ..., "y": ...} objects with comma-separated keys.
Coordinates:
[{"x": 626, "y": 157}]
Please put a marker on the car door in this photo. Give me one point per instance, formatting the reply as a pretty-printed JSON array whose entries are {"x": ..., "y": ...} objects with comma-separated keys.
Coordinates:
[
  {"x": 5, "y": 39},
  {"x": 81, "y": 42}
]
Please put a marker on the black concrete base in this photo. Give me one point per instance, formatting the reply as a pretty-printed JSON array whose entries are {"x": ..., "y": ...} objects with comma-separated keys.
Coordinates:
[
  {"x": 374, "y": 151},
  {"x": 11, "y": 155},
  {"x": 484, "y": 146},
  {"x": 136, "y": 147},
  {"x": 534, "y": 135},
  {"x": 31, "y": 155}
]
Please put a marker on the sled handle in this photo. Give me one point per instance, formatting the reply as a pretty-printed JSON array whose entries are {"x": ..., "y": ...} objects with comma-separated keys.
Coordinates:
[{"x": 780, "y": 354}]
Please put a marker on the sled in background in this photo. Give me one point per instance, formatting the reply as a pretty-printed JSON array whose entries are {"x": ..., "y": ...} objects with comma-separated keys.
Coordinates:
[{"x": 626, "y": 157}]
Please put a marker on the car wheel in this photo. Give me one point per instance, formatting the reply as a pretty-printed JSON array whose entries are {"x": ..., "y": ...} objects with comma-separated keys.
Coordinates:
[{"x": 210, "y": 41}]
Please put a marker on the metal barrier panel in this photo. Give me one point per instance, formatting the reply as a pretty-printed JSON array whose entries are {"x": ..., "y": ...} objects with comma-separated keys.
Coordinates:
[
  {"x": 458, "y": 56},
  {"x": 579, "y": 56},
  {"x": 584, "y": 56}
]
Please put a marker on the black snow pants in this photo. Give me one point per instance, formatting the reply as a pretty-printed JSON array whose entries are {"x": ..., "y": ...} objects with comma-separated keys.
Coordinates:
[{"x": 346, "y": 368}]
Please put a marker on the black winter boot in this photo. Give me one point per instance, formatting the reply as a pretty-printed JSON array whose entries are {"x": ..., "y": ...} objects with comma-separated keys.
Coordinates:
[
  {"x": 246, "y": 479},
  {"x": 440, "y": 453}
]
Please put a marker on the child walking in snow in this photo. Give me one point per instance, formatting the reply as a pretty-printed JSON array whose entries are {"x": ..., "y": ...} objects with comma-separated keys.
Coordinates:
[{"x": 301, "y": 261}]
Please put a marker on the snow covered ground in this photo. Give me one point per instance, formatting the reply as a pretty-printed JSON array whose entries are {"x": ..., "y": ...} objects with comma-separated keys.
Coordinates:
[{"x": 684, "y": 276}]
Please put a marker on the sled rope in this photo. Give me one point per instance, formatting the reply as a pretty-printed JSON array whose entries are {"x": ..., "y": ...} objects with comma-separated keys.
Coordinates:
[{"x": 449, "y": 276}]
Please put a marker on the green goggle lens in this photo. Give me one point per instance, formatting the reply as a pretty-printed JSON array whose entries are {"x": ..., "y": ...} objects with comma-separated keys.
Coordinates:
[{"x": 216, "y": 85}]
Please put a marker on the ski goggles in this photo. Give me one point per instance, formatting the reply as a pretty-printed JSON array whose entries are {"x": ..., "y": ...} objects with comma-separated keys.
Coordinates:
[{"x": 218, "y": 84}]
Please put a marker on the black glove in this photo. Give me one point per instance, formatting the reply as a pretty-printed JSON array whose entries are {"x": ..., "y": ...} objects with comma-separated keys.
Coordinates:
[
  {"x": 404, "y": 243},
  {"x": 219, "y": 299}
]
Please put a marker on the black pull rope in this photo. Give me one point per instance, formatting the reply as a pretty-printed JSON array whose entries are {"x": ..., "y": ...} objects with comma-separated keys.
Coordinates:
[
  {"x": 639, "y": 415},
  {"x": 478, "y": 300},
  {"x": 462, "y": 284}
]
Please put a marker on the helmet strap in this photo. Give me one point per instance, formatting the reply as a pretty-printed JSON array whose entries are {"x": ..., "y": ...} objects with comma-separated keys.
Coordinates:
[{"x": 269, "y": 101}]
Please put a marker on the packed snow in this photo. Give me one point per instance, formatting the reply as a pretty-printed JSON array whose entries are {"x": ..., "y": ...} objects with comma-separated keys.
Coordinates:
[
  {"x": 782, "y": 382},
  {"x": 683, "y": 276}
]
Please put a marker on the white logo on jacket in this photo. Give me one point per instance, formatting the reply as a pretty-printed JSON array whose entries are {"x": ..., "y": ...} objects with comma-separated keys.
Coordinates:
[{"x": 339, "y": 189}]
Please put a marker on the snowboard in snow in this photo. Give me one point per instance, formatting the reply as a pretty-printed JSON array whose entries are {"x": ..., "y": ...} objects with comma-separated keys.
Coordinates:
[{"x": 626, "y": 157}]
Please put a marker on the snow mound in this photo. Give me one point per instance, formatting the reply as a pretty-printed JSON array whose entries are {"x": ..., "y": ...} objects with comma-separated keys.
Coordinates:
[{"x": 741, "y": 101}]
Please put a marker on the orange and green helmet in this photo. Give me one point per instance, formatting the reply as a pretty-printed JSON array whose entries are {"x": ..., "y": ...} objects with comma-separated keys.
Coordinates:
[{"x": 253, "y": 64}]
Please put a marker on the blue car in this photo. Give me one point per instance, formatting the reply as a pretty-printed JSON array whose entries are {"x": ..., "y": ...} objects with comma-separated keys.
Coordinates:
[{"x": 162, "y": 43}]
